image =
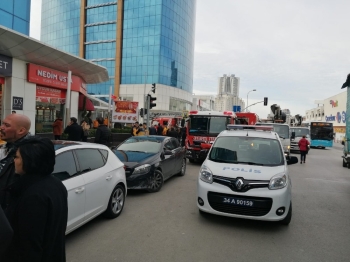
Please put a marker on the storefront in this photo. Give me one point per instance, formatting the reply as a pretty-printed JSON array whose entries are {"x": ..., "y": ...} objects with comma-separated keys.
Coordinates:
[
  {"x": 51, "y": 92},
  {"x": 5, "y": 71},
  {"x": 34, "y": 79},
  {"x": 335, "y": 112}
]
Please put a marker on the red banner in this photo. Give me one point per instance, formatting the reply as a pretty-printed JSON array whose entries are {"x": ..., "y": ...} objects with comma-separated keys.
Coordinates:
[
  {"x": 50, "y": 95},
  {"x": 2, "y": 80},
  {"x": 53, "y": 78}
]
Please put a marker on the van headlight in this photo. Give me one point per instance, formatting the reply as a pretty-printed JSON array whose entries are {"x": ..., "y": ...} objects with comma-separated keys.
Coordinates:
[
  {"x": 206, "y": 175},
  {"x": 144, "y": 169},
  {"x": 278, "y": 181},
  {"x": 286, "y": 148}
]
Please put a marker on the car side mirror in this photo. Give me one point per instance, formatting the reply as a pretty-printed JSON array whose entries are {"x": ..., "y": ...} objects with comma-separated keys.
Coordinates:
[
  {"x": 293, "y": 135},
  {"x": 167, "y": 152},
  {"x": 292, "y": 160}
]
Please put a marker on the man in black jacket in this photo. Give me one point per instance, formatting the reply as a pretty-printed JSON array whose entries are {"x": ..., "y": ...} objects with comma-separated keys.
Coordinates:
[
  {"x": 103, "y": 133},
  {"x": 75, "y": 132},
  {"x": 13, "y": 130},
  {"x": 160, "y": 130}
]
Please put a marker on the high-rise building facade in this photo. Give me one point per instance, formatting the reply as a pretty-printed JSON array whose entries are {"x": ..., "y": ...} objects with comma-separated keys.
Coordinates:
[
  {"x": 139, "y": 42},
  {"x": 228, "y": 85},
  {"x": 15, "y": 14}
]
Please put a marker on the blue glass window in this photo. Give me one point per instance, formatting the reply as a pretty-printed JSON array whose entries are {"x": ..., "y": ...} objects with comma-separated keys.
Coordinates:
[
  {"x": 7, "y": 6},
  {"x": 20, "y": 25},
  {"x": 21, "y": 9},
  {"x": 6, "y": 19}
]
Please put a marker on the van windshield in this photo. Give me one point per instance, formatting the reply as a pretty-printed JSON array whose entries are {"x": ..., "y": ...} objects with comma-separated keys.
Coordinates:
[{"x": 247, "y": 150}]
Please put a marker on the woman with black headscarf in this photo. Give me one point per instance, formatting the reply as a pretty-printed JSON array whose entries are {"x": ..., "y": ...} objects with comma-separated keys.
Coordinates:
[{"x": 38, "y": 208}]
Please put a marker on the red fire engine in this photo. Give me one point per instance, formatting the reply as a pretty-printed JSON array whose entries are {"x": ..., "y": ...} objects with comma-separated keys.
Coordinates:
[
  {"x": 247, "y": 118},
  {"x": 202, "y": 129}
]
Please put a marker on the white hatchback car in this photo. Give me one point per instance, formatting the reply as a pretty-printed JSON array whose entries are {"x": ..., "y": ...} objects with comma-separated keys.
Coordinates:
[
  {"x": 94, "y": 178},
  {"x": 245, "y": 175}
]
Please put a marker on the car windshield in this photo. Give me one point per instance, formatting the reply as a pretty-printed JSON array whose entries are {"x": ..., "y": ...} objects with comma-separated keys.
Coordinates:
[
  {"x": 247, "y": 150},
  {"x": 136, "y": 144},
  {"x": 300, "y": 132}
]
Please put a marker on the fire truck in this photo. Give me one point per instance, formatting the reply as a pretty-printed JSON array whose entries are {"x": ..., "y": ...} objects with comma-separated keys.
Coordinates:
[
  {"x": 202, "y": 129},
  {"x": 246, "y": 118},
  {"x": 167, "y": 120}
]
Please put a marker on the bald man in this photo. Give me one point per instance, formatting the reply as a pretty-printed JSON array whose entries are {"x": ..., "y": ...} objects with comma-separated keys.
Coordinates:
[{"x": 13, "y": 130}]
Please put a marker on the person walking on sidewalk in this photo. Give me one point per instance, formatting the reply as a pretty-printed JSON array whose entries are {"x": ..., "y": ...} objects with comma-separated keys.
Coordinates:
[{"x": 303, "y": 147}]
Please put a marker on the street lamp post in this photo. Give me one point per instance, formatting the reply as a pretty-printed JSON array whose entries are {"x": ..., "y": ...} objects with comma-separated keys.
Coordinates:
[{"x": 247, "y": 99}]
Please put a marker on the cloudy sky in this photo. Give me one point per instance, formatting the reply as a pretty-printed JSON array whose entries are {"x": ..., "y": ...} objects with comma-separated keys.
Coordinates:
[{"x": 293, "y": 52}]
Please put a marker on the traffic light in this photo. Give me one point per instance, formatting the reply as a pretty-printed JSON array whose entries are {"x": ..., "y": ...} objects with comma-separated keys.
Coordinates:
[
  {"x": 265, "y": 101},
  {"x": 154, "y": 88},
  {"x": 151, "y": 101},
  {"x": 143, "y": 111}
]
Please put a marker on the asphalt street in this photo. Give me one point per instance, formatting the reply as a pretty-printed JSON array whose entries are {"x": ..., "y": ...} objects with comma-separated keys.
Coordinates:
[{"x": 166, "y": 226}]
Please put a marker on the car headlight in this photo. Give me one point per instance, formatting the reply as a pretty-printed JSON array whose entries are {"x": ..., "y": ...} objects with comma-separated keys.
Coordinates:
[
  {"x": 144, "y": 169},
  {"x": 278, "y": 181},
  {"x": 206, "y": 175}
]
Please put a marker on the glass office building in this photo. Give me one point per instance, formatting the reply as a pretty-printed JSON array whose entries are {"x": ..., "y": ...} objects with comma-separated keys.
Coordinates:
[
  {"x": 15, "y": 14},
  {"x": 138, "y": 41}
]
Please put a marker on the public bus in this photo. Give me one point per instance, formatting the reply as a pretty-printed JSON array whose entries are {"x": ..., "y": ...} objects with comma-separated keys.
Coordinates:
[{"x": 321, "y": 134}]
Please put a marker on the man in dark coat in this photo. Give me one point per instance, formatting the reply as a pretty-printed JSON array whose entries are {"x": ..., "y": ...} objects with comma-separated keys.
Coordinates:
[
  {"x": 160, "y": 130},
  {"x": 75, "y": 132},
  {"x": 103, "y": 133},
  {"x": 14, "y": 129},
  {"x": 153, "y": 130},
  {"x": 173, "y": 133},
  {"x": 38, "y": 207}
]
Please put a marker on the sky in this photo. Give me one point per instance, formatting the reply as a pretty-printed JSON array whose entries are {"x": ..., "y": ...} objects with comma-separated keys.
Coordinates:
[{"x": 293, "y": 52}]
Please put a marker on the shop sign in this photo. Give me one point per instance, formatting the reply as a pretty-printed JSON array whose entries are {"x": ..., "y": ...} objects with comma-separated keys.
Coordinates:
[
  {"x": 334, "y": 103},
  {"x": 5, "y": 65},
  {"x": 125, "y": 112},
  {"x": 17, "y": 103},
  {"x": 50, "y": 95},
  {"x": 52, "y": 78}
]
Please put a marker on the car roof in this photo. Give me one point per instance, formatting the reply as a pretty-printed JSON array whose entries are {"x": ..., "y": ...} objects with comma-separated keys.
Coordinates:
[
  {"x": 58, "y": 144},
  {"x": 250, "y": 133},
  {"x": 159, "y": 138}
]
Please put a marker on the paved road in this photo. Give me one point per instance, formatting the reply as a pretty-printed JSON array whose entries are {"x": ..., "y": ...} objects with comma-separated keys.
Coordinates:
[{"x": 166, "y": 226}]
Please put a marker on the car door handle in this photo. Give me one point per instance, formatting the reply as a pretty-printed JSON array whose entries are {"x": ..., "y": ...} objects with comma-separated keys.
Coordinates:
[
  {"x": 109, "y": 178},
  {"x": 79, "y": 190}
]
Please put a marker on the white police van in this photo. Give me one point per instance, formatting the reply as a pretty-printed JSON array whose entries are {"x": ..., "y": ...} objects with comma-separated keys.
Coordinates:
[{"x": 245, "y": 175}]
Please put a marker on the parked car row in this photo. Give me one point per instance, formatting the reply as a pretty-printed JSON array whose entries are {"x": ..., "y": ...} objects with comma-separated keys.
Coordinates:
[{"x": 97, "y": 178}]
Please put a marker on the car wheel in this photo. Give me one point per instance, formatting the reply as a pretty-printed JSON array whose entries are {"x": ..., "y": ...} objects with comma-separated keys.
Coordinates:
[
  {"x": 156, "y": 181},
  {"x": 288, "y": 217},
  {"x": 344, "y": 163},
  {"x": 116, "y": 202},
  {"x": 183, "y": 167},
  {"x": 191, "y": 160}
]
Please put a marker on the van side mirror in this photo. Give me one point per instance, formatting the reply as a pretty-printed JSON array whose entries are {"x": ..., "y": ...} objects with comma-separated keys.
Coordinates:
[
  {"x": 343, "y": 143},
  {"x": 293, "y": 135}
]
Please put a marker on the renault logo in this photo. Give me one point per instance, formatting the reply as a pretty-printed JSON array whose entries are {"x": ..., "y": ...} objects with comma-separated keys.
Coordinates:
[{"x": 239, "y": 184}]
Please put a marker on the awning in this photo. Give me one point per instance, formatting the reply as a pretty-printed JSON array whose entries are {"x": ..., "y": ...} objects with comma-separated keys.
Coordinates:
[
  {"x": 89, "y": 106},
  {"x": 25, "y": 48}
]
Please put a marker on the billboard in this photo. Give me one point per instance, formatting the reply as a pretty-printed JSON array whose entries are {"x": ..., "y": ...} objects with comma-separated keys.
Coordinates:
[{"x": 125, "y": 112}]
